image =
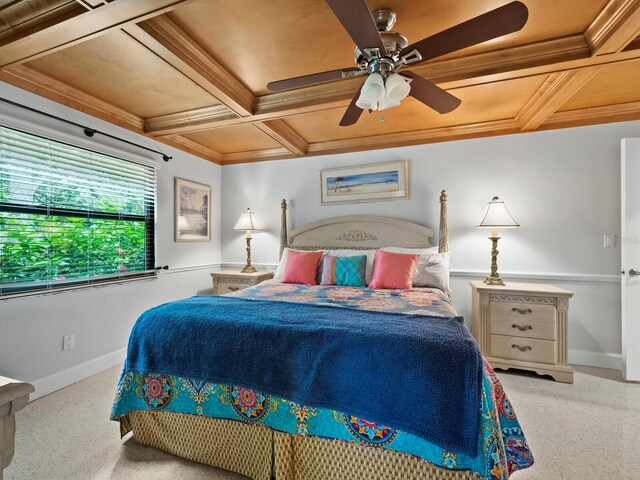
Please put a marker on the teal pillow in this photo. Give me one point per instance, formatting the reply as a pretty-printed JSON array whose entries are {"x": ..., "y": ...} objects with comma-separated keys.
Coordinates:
[{"x": 344, "y": 271}]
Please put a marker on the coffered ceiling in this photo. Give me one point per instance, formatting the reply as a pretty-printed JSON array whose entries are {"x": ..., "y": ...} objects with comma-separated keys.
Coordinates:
[{"x": 193, "y": 73}]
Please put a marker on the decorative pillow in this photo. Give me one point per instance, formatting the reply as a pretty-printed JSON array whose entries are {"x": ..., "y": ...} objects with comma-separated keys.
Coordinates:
[
  {"x": 283, "y": 261},
  {"x": 302, "y": 267},
  {"x": 344, "y": 271},
  {"x": 393, "y": 270},
  {"x": 371, "y": 255},
  {"x": 432, "y": 269}
]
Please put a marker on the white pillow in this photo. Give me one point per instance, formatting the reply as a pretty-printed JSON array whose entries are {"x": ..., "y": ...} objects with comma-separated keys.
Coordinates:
[
  {"x": 432, "y": 269},
  {"x": 283, "y": 262},
  {"x": 371, "y": 255}
]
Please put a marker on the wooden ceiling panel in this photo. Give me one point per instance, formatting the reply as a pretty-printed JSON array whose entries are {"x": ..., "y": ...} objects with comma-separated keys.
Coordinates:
[
  {"x": 239, "y": 138},
  {"x": 118, "y": 70},
  {"x": 21, "y": 18},
  {"x": 482, "y": 103},
  {"x": 261, "y": 41},
  {"x": 613, "y": 84}
]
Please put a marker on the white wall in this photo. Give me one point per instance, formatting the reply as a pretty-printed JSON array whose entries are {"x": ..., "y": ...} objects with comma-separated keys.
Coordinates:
[
  {"x": 31, "y": 328},
  {"x": 562, "y": 186}
]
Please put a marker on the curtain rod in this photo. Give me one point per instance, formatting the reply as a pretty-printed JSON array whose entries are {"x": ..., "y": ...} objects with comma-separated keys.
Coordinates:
[{"x": 89, "y": 132}]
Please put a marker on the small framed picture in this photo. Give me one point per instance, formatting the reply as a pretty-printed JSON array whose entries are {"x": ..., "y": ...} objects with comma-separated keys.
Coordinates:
[
  {"x": 374, "y": 182},
  {"x": 192, "y": 211}
]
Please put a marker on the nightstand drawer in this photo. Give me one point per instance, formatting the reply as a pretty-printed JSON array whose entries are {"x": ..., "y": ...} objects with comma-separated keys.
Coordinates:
[
  {"x": 224, "y": 287},
  {"x": 229, "y": 281},
  {"x": 522, "y": 312},
  {"x": 522, "y": 327},
  {"x": 525, "y": 349}
]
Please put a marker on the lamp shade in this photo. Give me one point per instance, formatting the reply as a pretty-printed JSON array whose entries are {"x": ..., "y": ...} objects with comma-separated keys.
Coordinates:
[
  {"x": 247, "y": 221},
  {"x": 372, "y": 92},
  {"x": 396, "y": 88},
  {"x": 497, "y": 215},
  {"x": 385, "y": 104}
]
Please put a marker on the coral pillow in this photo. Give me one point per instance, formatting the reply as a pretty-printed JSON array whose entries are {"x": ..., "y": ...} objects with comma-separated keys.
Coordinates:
[
  {"x": 393, "y": 270},
  {"x": 302, "y": 267}
]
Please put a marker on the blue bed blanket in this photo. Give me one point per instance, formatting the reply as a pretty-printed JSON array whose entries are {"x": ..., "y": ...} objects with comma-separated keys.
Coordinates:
[{"x": 417, "y": 373}]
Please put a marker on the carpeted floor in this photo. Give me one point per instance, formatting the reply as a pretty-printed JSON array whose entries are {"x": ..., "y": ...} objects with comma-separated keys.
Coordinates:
[{"x": 588, "y": 430}]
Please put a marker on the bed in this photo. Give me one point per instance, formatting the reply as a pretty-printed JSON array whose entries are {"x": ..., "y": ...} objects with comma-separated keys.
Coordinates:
[{"x": 213, "y": 391}]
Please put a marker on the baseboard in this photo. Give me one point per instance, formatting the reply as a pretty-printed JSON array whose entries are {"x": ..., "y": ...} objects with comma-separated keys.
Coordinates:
[
  {"x": 67, "y": 377},
  {"x": 594, "y": 359}
]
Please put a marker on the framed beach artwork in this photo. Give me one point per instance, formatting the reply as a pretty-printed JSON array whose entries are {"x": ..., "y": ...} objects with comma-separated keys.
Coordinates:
[
  {"x": 192, "y": 211},
  {"x": 374, "y": 182}
]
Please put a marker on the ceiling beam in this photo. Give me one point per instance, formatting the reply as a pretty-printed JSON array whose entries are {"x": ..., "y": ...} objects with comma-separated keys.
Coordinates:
[
  {"x": 540, "y": 58},
  {"x": 20, "y": 19},
  {"x": 81, "y": 28},
  {"x": 257, "y": 156},
  {"x": 286, "y": 136},
  {"x": 552, "y": 94},
  {"x": 617, "y": 25},
  {"x": 182, "y": 121},
  {"x": 168, "y": 41},
  {"x": 499, "y": 127},
  {"x": 33, "y": 81},
  {"x": 185, "y": 144},
  {"x": 624, "y": 112}
]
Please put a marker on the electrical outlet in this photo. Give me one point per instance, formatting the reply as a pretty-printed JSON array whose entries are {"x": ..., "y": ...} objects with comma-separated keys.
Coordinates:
[
  {"x": 68, "y": 341},
  {"x": 609, "y": 241}
]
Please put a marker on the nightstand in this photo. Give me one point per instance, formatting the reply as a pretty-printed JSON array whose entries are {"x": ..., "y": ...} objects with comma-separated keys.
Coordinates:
[
  {"x": 227, "y": 281},
  {"x": 14, "y": 395},
  {"x": 523, "y": 325}
]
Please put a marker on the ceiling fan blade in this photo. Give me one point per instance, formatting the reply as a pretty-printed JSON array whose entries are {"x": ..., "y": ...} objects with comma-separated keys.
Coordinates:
[
  {"x": 355, "y": 17},
  {"x": 353, "y": 112},
  {"x": 496, "y": 23},
  {"x": 431, "y": 95},
  {"x": 313, "y": 78}
]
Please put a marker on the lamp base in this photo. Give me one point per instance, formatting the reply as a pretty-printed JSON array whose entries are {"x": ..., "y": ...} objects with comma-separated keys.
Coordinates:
[
  {"x": 249, "y": 269},
  {"x": 494, "y": 280}
]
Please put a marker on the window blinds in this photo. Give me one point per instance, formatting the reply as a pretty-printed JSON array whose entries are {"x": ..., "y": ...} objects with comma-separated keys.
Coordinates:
[{"x": 69, "y": 215}]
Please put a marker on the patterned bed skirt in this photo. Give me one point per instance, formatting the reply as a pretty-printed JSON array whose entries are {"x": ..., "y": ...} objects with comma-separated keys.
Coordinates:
[{"x": 262, "y": 454}]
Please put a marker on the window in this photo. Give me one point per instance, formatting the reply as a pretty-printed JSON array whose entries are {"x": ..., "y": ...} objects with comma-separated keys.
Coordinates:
[{"x": 71, "y": 216}]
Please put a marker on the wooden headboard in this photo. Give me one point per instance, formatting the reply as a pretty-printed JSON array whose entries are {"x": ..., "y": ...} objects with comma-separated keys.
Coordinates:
[{"x": 363, "y": 232}]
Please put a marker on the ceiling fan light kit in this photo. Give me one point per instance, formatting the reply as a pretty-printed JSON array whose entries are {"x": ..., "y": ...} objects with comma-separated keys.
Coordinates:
[
  {"x": 388, "y": 92},
  {"x": 380, "y": 53}
]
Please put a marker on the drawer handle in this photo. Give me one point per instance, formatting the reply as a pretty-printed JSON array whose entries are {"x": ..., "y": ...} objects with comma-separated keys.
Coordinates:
[
  {"x": 522, "y": 328},
  {"x": 234, "y": 289},
  {"x": 522, "y": 311},
  {"x": 522, "y": 349}
]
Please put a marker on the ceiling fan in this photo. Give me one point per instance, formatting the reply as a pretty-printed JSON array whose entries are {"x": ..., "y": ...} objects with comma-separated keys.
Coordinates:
[{"x": 381, "y": 53}]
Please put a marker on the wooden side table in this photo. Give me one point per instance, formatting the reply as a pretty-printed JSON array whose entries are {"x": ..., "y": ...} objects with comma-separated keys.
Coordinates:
[
  {"x": 14, "y": 395},
  {"x": 523, "y": 325},
  {"x": 227, "y": 281}
]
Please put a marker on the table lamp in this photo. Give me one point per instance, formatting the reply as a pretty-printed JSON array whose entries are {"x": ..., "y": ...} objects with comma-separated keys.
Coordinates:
[
  {"x": 496, "y": 216},
  {"x": 248, "y": 223}
]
